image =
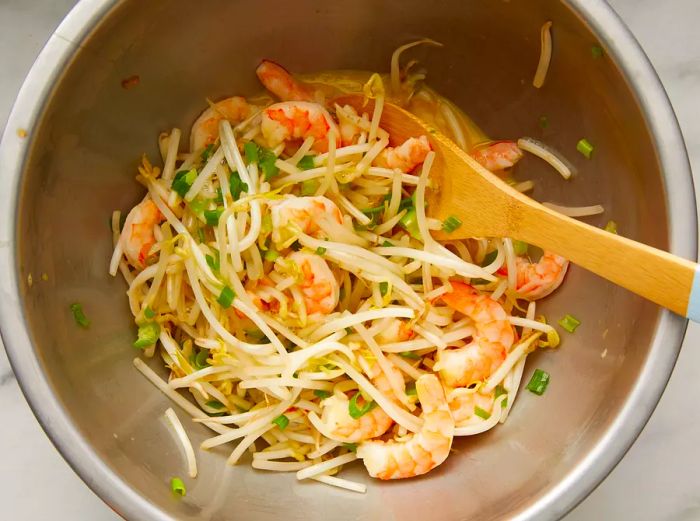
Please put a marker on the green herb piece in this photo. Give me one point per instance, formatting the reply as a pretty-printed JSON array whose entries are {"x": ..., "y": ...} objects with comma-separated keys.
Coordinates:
[
  {"x": 569, "y": 323},
  {"x": 149, "y": 313},
  {"x": 410, "y": 354},
  {"x": 207, "y": 152},
  {"x": 481, "y": 413},
  {"x": 214, "y": 262},
  {"x": 182, "y": 182},
  {"x": 499, "y": 391},
  {"x": 544, "y": 121},
  {"x": 306, "y": 163},
  {"x": 597, "y": 52},
  {"x": 383, "y": 288},
  {"x": 411, "y": 390},
  {"x": 539, "y": 382},
  {"x": 409, "y": 222},
  {"x": 352, "y": 447},
  {"x": 226, "y": 297},
  {"x": 281, "y": 421},
  {"x": 198, "y": 205},
  {"x": 271, "y": 255},
  {"x": 266, "y": 224},
  {"x": 178, "y": 487},
  {"x": 309, "y": 187},
  {"x": 611, "y": 227},
  {"x": 201, "y": 236},
  {"x": 321, "y": 250},
  {"x": 255, "y": 334},
  {"x": 386, "y": 244},
  {"x": 147, "y": 335},
  {"x": 267, "y": 164},
  {"x": 451, "y": 224},
  {"x": 356, "y": 411},
  {"x": 520, "y": 247},
  {"x": 584, "y": 146},
  {"x": 251, "y": 152},
  {"x": 219, "y": 199},
  {"x": 215, "y": 404},
  {"x": 236, "y": 185},
  {"x": 373, "y": 211},
  {"x": 199, "y": 361},
  {"x": 79, "y": 315},
  {"x": 406, "y": 203},
  {"x": 489, "y": 258},
  {"x": 321, "y": 394},
  {"x": 212, "y": 216}
]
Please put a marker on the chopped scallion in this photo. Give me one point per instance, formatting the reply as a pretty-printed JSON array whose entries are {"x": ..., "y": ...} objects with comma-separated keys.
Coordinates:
[
  {"x": 451, "y": 224},
  {"x": 539, "y": 382},
  {"x": 207, "y": 152},
  {"x": 410, "y": 354},
  {"x": 489, "y": 258},
  {"x": 251, "y": 152},
  {"x": 215, "y": 404},
  {"x": 213, "y": 262},
  {"x": 267, "y": 164},
  {"x": 79, "y": 315},
  {"x": 481, "y": 413},
  {"x": 409, "y": 222},
  {"x": 236, "y": 185},
  {"x": 266, "y": 224},
  {"x": 178, "y": 487},
  {"x": 281, "y": 421},
  {"x": 321, "y": 394},
  {"x": 352, "y": 447},
  {"x": 357, "y": 411},
  {"x": 182, "y": 182},
  {"x": 212, "y": 216},
  {"x": 611, "y": 227},
  {"x": 569, "y": 323},
  {"x": 226, "y": 297},
  {"x": 309, "y": 187},
  {"x": 148, "y": 312},
  {"x": 306, "y": 163},
  {"x": 199, "y": 361},
  {"x": 411, "y": 390},
  {"x": 373, "y": 211},
  {"x": 147, "y": 335},
  {"x": 584, "y": 146},
  {"x": 386, "y": 244},
  {"x": 271, "y": 255},
  {"x": 383, "y": 288},
  {"x": 520, "y": 247}
]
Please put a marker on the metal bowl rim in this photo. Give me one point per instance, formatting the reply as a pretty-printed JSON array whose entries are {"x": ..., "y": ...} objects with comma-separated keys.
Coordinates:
[{"x": 582, "y": 479}]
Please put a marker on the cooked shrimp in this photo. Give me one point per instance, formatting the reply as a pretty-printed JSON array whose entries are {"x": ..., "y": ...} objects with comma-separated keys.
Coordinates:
[
  {"x": 406, "y": 156},
  {"x": 346, "y": 428},
  {"x": 396, "y": 331},
  {"x": 425, "y": 450},
  {"x": 498, "y": 156},
  {"x": 463, "y": 403},
  {"x": 303, "y": 213},
  {"x": 282, "y": 84},
  {"x": 539, "y": 279},
  {"x": 296, "y": 120},
  {"x": 138, "y": 237},
  {"x": 206, "y": 129},
  {"x": 318, "y": 285},
  {"x": 349, "y": 130},
  {"x": 494, "y": 335}
]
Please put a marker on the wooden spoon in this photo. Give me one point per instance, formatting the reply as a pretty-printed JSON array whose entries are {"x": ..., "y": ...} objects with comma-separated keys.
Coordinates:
[{"x": 488, "y": 207}]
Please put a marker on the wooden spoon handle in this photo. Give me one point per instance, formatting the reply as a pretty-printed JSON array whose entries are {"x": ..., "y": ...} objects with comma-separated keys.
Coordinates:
[{"x": 663, "y": 278}]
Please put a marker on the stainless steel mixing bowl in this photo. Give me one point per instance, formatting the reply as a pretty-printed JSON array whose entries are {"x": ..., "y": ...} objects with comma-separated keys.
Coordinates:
[{"x": 86, "y": 134}]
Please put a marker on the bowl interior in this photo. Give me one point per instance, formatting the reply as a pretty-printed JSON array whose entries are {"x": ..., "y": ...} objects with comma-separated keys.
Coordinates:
[{"x": 82, "y": 165}]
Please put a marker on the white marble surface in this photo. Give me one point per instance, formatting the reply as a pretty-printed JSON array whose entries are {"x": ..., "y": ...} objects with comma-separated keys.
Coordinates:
[{"x": 657, "y": 479}]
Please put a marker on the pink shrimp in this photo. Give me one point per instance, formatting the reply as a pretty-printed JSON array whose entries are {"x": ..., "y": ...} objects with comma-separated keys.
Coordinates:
[
  {"x": 463, "y": 403},
  {"x": 539, "y": 279},
  {"x": 282, "y": 84},
  {"x": 494, "y": 335},
  {"x": 498, "y": 156},
  {"x": 349, "y": 130},
  {"x": 406, "y": 156},
  {"x": 137, "y": 238},
  {"x": 318, "y": 285},
  {"x": 396, "y": 331},
  {"x": 303, "y": 213},
  {"x": 425, "y": 450},
  {"x": 205, "y": 130},
  {"x": 297, "y": 120}
]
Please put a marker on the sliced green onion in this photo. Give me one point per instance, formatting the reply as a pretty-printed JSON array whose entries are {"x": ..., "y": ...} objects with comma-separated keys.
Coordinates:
[
  {"x": 539, "y": 382},
  {"x": 451, "y": 224},
  {"x": 309, "y": 187},
  {"x": 178, "y": 487},
  {"x": 352, "y": 447},
  {"x": 214, "y": 262},
  {"x": 200, "y": 359},
  {"x": 200, "y": 235},
  {"x": 584, "y": 146},
  {"x": 255, "y": 334},
  {"x": 356, "y": 411},
  {"x": 411, "y": 390},
  {"x": 321, "y": 250},
  {"x": 251, "y": 152},
  {"x": 207, "y": 152},
  {"x": 266, "y": 224},
  {"x": 481, "y": 413},
  {"x": 198, "y": 205},
  {"x": 611, "y": 227},
  {"x": 489, "y": 258},
  {"x": 386, "y": 244},
  {"x": 409, "y": 222},
  {"x": 321, "y": 394},
  {"x": 236, "y": 185},
  {"x": 147, "y": 334},
  {"x": 215, "y": 404},
  {"x": 267, "y": 164},
  {"x": 569, "y": 323},
  {"x": 212, "y": 216},
  {"x": 520, "y": 247},
  {"x": 383, "y": 288},
  {"x": 374, "y": 210},
  {"x": 597, "y": 52},
  {"x": 79, "y": 315},
  {"x": 148, "y": 312},
  {"x": 219, "y": 199},
  {"x": 544, "y": 121},
  {"x": 306, "y": 163},
  {"x": 410, "y": 354},
  {"x": 500, "y": 391},
  {"x": 406, "y": 202},
  {"x": 226, "y": 297},
  {"x": 182, "y": 182},
  {"x": 281, "y": 421},
  {"x": 271, "y": 255}
]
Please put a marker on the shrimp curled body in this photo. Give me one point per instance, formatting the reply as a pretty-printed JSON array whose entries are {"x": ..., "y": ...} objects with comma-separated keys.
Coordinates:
[{"x": 298, "y": 120}]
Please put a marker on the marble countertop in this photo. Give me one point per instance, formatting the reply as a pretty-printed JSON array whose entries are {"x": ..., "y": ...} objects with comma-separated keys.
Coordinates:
[{"x": 657, "y": 479}]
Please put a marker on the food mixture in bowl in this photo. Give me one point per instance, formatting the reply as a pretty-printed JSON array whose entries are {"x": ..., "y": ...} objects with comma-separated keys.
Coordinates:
[{"x": 283, "y": 270}]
